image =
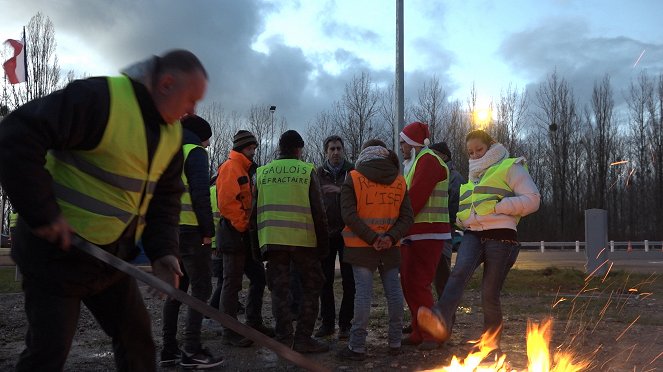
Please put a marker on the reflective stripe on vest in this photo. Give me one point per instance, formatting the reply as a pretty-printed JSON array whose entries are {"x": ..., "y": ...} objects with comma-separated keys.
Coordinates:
[
  {"x": 436, "y": 208},
  {"x": 487, "y": 193},
  {"x": 101, "y": 191},
  {"x": 216, "y": 215},
  {"x": 13, "y": 217},
  {"x": 378, "y": 206},
  {"x": 283, "y": 206},
  {"x": 187, "y": 214}
]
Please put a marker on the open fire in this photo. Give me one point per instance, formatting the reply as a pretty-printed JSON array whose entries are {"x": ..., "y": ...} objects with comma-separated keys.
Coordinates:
[{"x": 538, "y": 354}]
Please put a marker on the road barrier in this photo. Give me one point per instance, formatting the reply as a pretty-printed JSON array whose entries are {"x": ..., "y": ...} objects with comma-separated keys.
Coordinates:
[{"x": 627, "y": 245}]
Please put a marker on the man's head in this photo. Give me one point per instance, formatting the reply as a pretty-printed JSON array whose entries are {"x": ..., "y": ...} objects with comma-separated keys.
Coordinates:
[
  {"x": 291, "y": 144},
  {"x": 180, "y": 81},
  {"x": 199, "y": 126},
  {"x": 413, "y": 138},
  {"x": 443, "y": 149},
  {"x": 246, "y": 143},
  {"x": 334, "y": 150}
]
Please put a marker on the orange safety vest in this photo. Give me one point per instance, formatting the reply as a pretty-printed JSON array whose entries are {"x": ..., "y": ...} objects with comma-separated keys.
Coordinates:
[{"x": 377, "y": 205}]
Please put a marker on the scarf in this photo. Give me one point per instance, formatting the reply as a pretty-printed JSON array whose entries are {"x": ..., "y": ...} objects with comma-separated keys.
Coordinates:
[
  {"x": 494, "y": 155},
  {"x": 372, "y": 153},
  {"x": 335, "y": 170},
  {"x": 407, "y": 164}
]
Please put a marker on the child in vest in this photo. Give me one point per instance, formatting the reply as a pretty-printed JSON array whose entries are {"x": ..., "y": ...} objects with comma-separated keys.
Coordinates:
[
  {"x": 376, "y": 210},
  {"x": 499, "y": 192}
]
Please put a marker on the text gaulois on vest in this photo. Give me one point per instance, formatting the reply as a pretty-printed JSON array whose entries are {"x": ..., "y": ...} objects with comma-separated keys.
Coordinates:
[
  {"x": 383, "y": 195},
  {"x": 284, "y": 174}
]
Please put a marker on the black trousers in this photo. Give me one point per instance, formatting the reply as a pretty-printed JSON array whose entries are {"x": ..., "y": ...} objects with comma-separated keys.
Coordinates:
[{"x": 327, "y": 300}]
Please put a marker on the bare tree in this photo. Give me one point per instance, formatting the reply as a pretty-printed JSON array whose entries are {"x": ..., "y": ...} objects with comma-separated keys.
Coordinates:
[
  {"x": 224, "y": 127},
  {"x": 316, "y": 132},
  {"x": 430, "y": 106},
  {"x": 511, "y": 114},
  {"x": 355, "y": 112}
]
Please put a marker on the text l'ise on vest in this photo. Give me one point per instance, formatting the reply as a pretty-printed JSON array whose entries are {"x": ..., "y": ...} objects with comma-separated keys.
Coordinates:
[{"x": 381, "y": 196}]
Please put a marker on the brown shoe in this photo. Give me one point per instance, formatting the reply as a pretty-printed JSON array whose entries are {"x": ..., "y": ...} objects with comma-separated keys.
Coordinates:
[{"x": 433, "y": 324}]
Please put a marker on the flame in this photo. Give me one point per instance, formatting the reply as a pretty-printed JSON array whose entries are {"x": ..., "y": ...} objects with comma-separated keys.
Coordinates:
[{"x": 538, "y": 354}]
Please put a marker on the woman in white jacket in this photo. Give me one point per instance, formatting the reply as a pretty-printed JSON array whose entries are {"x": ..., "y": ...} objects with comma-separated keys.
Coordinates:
[{"x": 499, "y": 192}]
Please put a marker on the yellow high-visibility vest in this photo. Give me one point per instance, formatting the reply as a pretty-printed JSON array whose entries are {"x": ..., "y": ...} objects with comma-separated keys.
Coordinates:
[
  {"x": 284, "y": 208},
  {"x": 187, "y": 214},
  {"x": 216, "y": 215},
  {"x": 101, "y": 191},
  {"x": 483, "y": 196},
  {"x": 436, "y": 208}
]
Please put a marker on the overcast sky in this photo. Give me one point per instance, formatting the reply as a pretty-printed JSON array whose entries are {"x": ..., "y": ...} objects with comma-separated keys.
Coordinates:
[{"x": 298, "y": 55}]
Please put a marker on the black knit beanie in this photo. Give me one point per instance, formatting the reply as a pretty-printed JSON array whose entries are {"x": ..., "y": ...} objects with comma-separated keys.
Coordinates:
[
  {"x": 199, "y": 126},
  {"x": 289, "y": 141}
]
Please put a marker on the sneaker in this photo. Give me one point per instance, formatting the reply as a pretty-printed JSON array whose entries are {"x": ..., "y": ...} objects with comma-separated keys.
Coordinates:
[
  {"x": 433, "y": 323},
  {"x": 235, "y": 339},
  {"x": 267, "y": 331},
  {"x": 344, "y": 333},
  {"x": 309, "y": 345},
  {"x": 203, "y": 359},
  {"x": 324, "y": 331},
  {"x": 348, "y": 354},
  {"x": 212, "y": 325},
  {"x": 170, "y": 357}
]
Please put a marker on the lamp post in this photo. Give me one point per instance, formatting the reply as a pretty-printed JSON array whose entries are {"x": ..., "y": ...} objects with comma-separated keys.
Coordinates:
[{"x": 271, "y": 138}]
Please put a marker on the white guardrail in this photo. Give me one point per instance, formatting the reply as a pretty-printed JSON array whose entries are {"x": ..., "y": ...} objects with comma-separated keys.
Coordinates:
[{"x": 647, "y": 244}]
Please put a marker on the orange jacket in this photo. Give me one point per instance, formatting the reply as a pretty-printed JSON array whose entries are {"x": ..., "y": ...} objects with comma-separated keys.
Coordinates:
[{"x": 233, "y": 190}]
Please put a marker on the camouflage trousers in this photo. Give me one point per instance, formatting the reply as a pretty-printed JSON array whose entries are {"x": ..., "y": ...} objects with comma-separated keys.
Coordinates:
[{"x": 308, "y": 264}]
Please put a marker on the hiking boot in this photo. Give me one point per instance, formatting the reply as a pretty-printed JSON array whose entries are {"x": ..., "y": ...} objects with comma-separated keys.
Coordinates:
[
  {"x": 407, "y": 329},
  {"x": 203, "y": 359},
  {"x": 309, "y": 346},
  {"x": 432, "y": 322},
  {"x": 324, "y": 331},
  {"x": 348, "y": 354},
  {"x": 408, "y": 341},
  {"x": 428, "y": 345},
  {"x": 344, "y": 333},
  {"x": 267, "y": 331},
  {"x": 235, "y": 339},
  {"x": 170, "y": 357}
]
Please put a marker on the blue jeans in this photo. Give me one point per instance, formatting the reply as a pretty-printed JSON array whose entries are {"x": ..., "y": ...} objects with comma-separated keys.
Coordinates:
[
  {"x": 497, "y": 257},
  {"x": 363, "y": 297}
]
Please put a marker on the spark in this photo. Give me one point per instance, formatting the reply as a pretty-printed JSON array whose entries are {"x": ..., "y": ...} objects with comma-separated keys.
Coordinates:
[
  {"x": 631, "y": 353},
  {"x": 627, "y": 328},
  {"x": 559, "y": 301},
  {"x": 600, "y": 253},
  {"x": 638, "y": 60},
  {"x": 658, "y": 356},
  {"x": 607, "y": 272},
  {"x": 629, "y": 176},
  {"x": 619, "y": 162},
  {"x": 595, "y": 270}
]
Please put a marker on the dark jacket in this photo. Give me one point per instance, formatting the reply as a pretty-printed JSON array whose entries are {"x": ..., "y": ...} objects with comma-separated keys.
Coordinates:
[
  {"x": 382, "y": 171},
  {"x": 75, "y": 118},
  {"x": 196, "y": 171},
  {"x": 455, "y": 181},
  {"x": 332, "y": 200},
  {"x": 319, "y": 221}
]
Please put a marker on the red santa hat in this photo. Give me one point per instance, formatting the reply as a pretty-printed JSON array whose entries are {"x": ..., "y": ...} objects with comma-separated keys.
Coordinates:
[{"x": 416, "y": 134}]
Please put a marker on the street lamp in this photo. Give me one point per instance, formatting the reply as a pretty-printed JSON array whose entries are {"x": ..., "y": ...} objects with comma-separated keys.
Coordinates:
[{"x": 271, "y": 138}]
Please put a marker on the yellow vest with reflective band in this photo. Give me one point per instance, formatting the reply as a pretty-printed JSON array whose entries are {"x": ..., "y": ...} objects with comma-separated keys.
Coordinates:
[
  {"x": 101, "y": 191},
  {"x": 187, "y": 214},
  {"x": 487, "y": 193},
  {"x": 284, "y": 208},
  {"x": 216, "y": 215},
  {"x": 13, "y": 217},
  {"x": 377, "y": 205},
  {"x": 436, "y": 208}
]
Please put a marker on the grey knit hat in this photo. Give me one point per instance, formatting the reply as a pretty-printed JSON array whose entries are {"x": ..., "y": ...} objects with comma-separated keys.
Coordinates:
[{"x": 243, "y": 139}]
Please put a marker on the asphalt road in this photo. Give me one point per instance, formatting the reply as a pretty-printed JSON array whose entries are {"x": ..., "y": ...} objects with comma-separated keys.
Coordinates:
[{"x": 635, "y": 261}]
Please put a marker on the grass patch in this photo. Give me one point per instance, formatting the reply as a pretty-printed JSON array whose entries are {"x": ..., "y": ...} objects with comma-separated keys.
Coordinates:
[{"x": 7, "y": 282}]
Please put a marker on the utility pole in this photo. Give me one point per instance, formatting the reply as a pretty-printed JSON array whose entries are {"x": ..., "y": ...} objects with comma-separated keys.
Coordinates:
[{"x": 400, "y": 90}]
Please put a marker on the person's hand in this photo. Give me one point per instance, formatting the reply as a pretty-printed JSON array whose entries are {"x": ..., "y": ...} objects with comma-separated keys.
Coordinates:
[
  {"x": 166, "y": 268},
  {"x": 382, "y": 242},
  {"x": 58, "y": 232},
  {"x": 207, "y": 241},
  {"x": 331, "y": 189}
]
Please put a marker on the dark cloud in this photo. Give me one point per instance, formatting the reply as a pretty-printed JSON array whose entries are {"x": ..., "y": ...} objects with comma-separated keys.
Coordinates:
[{"x": 567, "y": 47}]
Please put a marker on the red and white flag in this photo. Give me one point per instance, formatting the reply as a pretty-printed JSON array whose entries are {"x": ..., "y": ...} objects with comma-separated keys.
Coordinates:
[{"x": 15, "y": 66}]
